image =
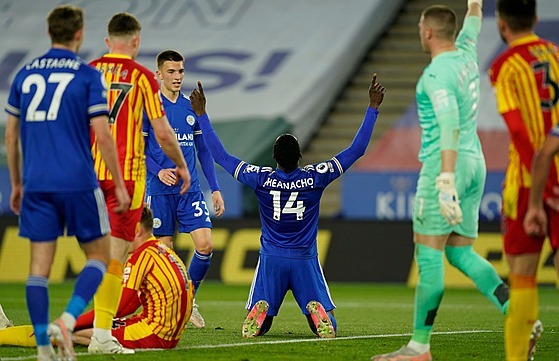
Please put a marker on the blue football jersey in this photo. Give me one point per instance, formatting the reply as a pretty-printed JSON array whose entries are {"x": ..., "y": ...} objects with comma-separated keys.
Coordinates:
[
  {"x": 289, "y": 205},
  {"x": 184, "y": 122},
  {"x": 55, "y": 96}
]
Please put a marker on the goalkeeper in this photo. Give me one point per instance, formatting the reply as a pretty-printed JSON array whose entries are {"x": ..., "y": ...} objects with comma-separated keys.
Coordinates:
[{"x": 452, "y": 176}]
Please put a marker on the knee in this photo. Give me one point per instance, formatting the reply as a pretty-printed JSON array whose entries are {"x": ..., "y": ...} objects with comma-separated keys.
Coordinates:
[
  {"x": 205, "y": 248},
  {"x": 457, "y": 256}
]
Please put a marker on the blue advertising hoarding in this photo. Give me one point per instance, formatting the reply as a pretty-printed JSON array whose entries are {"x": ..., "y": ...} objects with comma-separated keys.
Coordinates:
[{"x": 389, "y": 196}]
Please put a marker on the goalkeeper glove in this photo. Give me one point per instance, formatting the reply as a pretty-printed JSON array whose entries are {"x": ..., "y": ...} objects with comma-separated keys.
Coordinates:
[{"x": 448, "y": 198}]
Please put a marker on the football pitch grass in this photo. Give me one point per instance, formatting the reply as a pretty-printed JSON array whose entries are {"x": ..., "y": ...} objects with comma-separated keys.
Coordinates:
[{"x": 372, "y": 319}]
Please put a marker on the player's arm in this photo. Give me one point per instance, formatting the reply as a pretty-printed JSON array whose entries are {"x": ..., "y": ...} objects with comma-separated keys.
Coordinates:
[
  {"x": 217, "y": 150},
  {"x": 535, "y": 221},
  {"x": 475, "y": 8},
  {"x": 208, "y": 167},
  {"x": 519, "y": 137},
  {"x": 360, "y": 142},
  {"x": 107, "y": 148},
  {"x": 166, "y": 138},
  {"x": 13, "y": 154},
  {"x": 446, "y": 110}
]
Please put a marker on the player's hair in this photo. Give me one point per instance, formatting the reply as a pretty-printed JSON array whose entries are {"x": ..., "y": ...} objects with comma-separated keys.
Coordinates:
[
  {"x": 287, "y": 152},
  {"x": 168, "y": 55},
  {"x": 443, "y": 20},
  {"x": 63, "y": 22},
  {"x": 123, "y": 24},
  {"x": 520, "y": 15},
  {"x": 147, "y": 219}
]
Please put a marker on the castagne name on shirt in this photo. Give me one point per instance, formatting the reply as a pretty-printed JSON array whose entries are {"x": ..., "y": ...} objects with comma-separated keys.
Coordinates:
[{"x": 54, "y": 63}]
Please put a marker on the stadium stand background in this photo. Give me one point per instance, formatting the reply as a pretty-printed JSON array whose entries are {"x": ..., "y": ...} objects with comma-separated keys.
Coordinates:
[
  {"x": 268, "y": 66},
  {"x": 301, "y": 66}
]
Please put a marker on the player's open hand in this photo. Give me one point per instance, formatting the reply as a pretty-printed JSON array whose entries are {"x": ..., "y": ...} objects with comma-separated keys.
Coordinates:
[
  {"x": 198, "y": 100},
  {"x": 168, "y": 176},
  {"x": 376, "y": 93}
]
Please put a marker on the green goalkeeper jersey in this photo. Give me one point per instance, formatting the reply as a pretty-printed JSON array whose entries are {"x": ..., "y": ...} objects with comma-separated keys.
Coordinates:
[{"x": 447, "y": 95}]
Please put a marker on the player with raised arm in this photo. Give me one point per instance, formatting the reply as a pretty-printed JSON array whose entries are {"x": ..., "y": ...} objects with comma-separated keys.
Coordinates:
[
  {"x": 54, "y": 101},
  {"x": 452, "y": 176},
  {"x": 171, "y": 209},
  {"x": 133, "y": 90},
  {"x": 289, "y": 199}
]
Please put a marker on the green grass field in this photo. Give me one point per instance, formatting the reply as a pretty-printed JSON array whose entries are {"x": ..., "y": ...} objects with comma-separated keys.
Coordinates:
[{"x": 371, "y": 318}]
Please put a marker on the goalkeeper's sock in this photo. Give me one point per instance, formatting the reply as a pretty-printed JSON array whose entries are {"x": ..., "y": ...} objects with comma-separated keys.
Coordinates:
[
  {"x": 199, "y": 265},
  {"x": 106, "y": 300},
  {"x": 429, "y": 291},
  {"x": 522, "y": 314},
  {"x": 37, "y": 294},
  {"x": 23, "y": 336},
  {"x": 482, "y": 273}
]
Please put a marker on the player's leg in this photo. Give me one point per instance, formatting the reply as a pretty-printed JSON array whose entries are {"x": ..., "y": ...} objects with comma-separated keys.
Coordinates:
[
  {"x": 430, "y": 235},
  {"x": 267, "y": 291},
  {"x": 40, "y": 223},
  {"x": 460, "y": 254},
  {"x": 193, "y": 217},
  {"x": 123, "y": 228},
  {"x": 164, "y": 209},
  {"x": 470, "y": 175},
  {"x": 522, "y": 252},
  {"x": 11, "y": 335},
  {"x": 523, "y": 308},
  {"x": 312, "y": 294}
]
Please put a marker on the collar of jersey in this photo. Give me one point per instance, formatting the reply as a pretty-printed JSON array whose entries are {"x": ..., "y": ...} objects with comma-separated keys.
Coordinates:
[
  {"x": 121, "y": 56},
  {"x": 525, "y": 40}
]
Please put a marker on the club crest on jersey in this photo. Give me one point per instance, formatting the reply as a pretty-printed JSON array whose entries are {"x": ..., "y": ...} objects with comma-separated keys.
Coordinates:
[
  {"x": 190, "y": 120},
  {"x": 156, "y": 223}
]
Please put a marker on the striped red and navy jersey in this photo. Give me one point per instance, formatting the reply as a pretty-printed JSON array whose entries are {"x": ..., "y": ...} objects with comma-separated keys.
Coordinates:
[
  {"x": 132, "y": 90},
  {"x": 159, "y": 276},
  {"x": 525, "y": 79}
]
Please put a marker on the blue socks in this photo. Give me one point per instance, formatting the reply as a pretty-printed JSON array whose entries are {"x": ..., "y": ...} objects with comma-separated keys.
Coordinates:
[
  {"x": 37, "y": 295},
  {"x": 199, "y": 265},
  {"x": 86, "y": 285}
]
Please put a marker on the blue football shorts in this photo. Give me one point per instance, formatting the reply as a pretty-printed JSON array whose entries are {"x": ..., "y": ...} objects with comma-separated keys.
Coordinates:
[
  {"x": 189, "y": 212},
  {"x": 274, "y": 276},
  {"x": 45, "y": 216}
]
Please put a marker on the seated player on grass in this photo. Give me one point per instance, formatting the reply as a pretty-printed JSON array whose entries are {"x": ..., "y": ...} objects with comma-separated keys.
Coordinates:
[{"x": 151, "y": 272}]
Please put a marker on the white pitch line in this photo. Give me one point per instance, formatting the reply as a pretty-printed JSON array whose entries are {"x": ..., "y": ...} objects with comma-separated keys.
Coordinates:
[{"x": 240, "y": 344}]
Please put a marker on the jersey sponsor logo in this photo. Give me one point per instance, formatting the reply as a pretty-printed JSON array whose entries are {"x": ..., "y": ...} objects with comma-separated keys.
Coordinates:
[
  {"x": 126, "y": 274},
  {"x": 184, "y": 139},
  {"x": 190, "y": 120}
]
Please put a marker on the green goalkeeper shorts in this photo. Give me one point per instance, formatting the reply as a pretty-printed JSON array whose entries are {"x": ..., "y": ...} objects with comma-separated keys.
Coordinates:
[{"x": 470, "y": 181}]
